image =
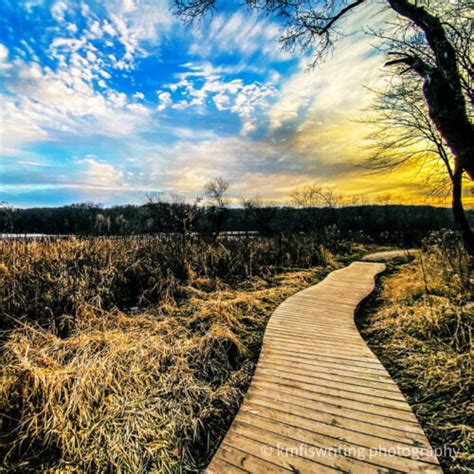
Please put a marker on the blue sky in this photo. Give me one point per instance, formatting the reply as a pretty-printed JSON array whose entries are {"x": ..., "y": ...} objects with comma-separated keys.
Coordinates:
[{"x": 107, "y": 101}]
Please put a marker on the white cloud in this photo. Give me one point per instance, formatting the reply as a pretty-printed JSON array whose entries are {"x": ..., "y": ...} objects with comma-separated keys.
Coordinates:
[
  {"x": 252, "y": 166},
  {"x": 95, "y": 30},
  {"x": 181, "y": 105},
  {"x": 164, "y": 99},
  {"x": 72, "y": 27},
  {"x": 91, "y": 56},
  {"x": 85, "y": 10},
  {"x": 109, "y": 29},
  {"x": 58, "y": 10},
  {"x": 138, "y": 110},
  {"x": 100, "y": 174},
  {"x": 17, "y": 128},
  {"x": 204, "y": 81},
  {"x": 91, "y": 176},
  {"x": 74, "y": 98},
  {"x": 221, "y": 100},
  {"x": 128, "y": 6},
  {"x": 250, "y": 98},
  {"x": 68, "y": 45},
  {"x": 4, "y": 64},
  {"x": 31, "y": 71},
  {"x": 31, "y": 4},
  {"x": 47, "y": 102},
  {"x": 188, "y": 164},
  {"x": 132, "y": 26}
]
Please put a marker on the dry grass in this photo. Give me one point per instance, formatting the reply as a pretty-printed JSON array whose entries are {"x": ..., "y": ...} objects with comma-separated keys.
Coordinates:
[
  {"x": 421, "y": 328},
  {"x": 148, "y": 389},
  {"x": 46, "y": 282}
]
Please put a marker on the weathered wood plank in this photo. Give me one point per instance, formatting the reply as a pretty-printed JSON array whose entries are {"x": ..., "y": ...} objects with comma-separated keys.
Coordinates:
[
  {"x": 324, "y": 367},
  {"x": 339, "y": 418},
  {"x": 325, "y": 377},
  {"x": 334, "y": 359},
  {"x": 332, "y": 407}
]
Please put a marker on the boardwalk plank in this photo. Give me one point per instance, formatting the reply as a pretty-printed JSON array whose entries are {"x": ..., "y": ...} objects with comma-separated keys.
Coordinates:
[
  {"x": 370, "y": 366},
  {"x": 324, "y": 367},
  {"x": 324, "y": 383},
  {"x": 356, "y": 455},
  {"x": 340, "y": 418},
  {"x": 332, "y": 407},
  {"x": 291, "y": 391},
  {"x": 220, "y": 465},
  {"x": 331, "y": 377},
  {"x": 356, "y": 438}
]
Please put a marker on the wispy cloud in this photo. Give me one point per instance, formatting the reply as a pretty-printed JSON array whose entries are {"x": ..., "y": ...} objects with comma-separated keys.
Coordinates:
[
  {"x": 101, "y": 175},
  {"x": 240, "y": 34},
  {"x": 58, "y": 10}
]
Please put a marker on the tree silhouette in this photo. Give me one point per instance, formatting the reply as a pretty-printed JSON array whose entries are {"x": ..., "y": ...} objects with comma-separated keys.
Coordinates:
[
  {"x": 403, "y": 132},
  {"x": 217, "y": 213}
]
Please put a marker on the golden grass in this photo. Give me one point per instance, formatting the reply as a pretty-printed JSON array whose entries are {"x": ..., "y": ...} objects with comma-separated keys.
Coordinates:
[
  {"x": 148, "y": 390},
  {"x": 421, "y": 328},
  {"x": 43, "y": 281}
]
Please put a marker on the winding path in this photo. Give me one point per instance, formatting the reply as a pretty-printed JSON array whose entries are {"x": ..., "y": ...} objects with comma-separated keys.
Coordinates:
[{"x": 320, "y": 401}]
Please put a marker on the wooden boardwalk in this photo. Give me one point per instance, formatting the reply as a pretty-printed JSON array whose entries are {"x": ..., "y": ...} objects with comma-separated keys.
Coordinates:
[
  {"x": 389, "y": 255},
  {"x": 320, "y": 401}
]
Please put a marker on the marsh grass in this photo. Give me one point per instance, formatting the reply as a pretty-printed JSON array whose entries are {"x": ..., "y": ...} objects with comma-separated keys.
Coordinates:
[
  {"x": 47, "y": 281},
  {"x": 133, "y": 356},
  {"x": 420, "y": 326}
]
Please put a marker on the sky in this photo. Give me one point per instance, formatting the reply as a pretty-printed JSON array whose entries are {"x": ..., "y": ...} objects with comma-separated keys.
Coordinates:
[{"x": 108, "y": 101}]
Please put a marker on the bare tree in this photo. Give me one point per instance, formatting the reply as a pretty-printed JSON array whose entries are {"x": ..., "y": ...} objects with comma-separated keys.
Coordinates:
[
  {"x": 404, "y": 132},
  {"x": 217, "y": 212},
  {"x": 313, "y": 195},
  {"x": 431, "y": 41},
  {"x": 216, "y": 190},
  {"x": 306, "y": 197},
  {"x": 312, "y": 198},
  {"x": 356, "y": 200}
]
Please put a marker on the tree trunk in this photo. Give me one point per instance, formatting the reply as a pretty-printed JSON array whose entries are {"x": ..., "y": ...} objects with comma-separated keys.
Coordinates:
[
  {"x": 442, "y": 85},
  {"x": 459, "y": 215},
  {"x": 449, "y": 114}
]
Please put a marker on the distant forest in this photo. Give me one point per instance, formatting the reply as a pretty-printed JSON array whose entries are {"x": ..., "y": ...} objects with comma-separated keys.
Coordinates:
[{"x": 386, "y": 222}]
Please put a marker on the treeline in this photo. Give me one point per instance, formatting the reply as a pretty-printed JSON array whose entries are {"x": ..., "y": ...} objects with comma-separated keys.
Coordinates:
[{"x": 375, "y": 221}]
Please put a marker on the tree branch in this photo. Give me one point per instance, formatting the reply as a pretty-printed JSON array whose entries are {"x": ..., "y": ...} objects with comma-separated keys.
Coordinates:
[
  {"x": 433, "y": 29},
  {"x": 339, "y": 15},
  {"x": 417, "y": 64}
]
